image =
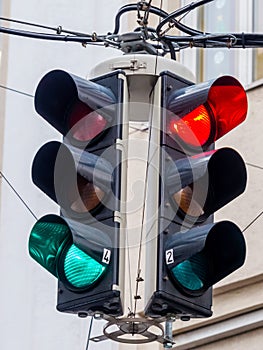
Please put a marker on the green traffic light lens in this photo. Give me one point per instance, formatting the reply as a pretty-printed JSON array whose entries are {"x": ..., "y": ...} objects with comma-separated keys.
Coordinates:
[
  {"x": 47, "y": 239},
  {"x": 192, "y": 274},
  {"x": 50, "y": 244},
  {"x": 81, "y": 271}
]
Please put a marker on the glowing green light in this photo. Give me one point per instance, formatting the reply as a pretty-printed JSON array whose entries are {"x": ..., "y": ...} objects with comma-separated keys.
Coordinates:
[
  {"x": 80, "y": 269},
  {"x": 50, "y": 244},
  {"x": 46, "y": 239}
]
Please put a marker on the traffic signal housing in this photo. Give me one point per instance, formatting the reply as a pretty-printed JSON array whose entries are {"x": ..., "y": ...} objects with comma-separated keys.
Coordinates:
[
  {"x": 193, "y": 252},
  {"x": 81, "y": 247}
]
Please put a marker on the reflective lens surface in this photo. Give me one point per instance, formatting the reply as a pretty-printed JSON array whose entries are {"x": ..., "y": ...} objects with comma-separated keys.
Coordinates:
[
  {"x": 80, "y": 269},
  {"x": 85, "y": 124},
  {"x": 192, "y": 274},
  {"x": 185, "y": 201},
  {"x": 229, "y": 104},
  {"x": 46, "y": 239},
  {"x": 194, "y": 128},
  {"x": 90, "y": 196}
]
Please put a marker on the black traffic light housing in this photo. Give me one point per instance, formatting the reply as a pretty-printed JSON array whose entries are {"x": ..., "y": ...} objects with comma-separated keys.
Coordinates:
[
  {"x": 193, "y": 252},
  {"x": 82, "y": 175}
]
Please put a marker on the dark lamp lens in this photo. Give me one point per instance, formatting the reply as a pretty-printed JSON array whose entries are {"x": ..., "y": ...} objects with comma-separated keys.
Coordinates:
[
  {"x": 185, "y": 201},
  {"x": 85, "y": 124},
  {"x": 194, "y": 128},
  {"x": 90, "y": 196},
  {"x": 192, "y": 274}
]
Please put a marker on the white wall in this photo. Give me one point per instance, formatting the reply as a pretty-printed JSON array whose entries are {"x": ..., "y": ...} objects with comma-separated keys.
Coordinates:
[{"x": 28, "y": 318}]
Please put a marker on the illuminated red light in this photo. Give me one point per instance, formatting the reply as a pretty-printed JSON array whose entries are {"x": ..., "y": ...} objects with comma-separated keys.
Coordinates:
[
  {"x": 194, "y": 128},
  {"x": 230, "y": 106},
  {"x": 224, "y": 106},
  {"x": 85, "y": 124}
]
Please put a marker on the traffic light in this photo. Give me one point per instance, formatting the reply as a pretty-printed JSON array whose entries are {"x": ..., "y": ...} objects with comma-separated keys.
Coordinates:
[
  {"x": 194, "y": 252},
  {"x": 81, "y": 246}
]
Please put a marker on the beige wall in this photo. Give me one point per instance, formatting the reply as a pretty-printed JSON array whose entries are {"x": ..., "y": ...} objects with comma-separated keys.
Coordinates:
[
  {"x": 251, "y": 341},
  {"x": 247, "y": 139}
]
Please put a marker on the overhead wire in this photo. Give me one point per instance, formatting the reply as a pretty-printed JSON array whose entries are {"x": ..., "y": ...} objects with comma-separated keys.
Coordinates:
[
  {"x": 89, "y": 333},
  {"x": 242, "y": 40},
  {"x": 18, "y": 195},
  {"x": 59, "y": 29},
  {"x": 180, "y": 12},
  {"x": 72, "y": 36},
  {"x": 133, "y": 7},
  {"x": 88, "y": 39},
  {"x": 170, "y": 43},
  {"x": 252, "y": 221},
  {"x": 254, "y": 166},
  {"x": 17, "y": 91}
]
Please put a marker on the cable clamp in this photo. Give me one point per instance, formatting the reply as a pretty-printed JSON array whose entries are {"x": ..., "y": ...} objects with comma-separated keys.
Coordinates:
[
  {"x": 59, "y": 30},
  {"x": 94, "y": 36}
]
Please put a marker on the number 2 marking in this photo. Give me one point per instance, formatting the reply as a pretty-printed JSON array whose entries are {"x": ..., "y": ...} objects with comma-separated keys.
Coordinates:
[{"x": 169, "y": 254}]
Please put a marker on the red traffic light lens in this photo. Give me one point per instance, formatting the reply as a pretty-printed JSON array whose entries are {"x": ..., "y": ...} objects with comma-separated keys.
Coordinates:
[
  {"x": 84, "y": 123},
  {"x": 201, "y": 114},
  {"x": 194, "y": 128},
  {"x": 230, "y": 106}
]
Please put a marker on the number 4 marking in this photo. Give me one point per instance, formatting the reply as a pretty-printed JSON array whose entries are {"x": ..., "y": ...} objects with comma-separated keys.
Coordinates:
[
  {"x": 106, "y": 256},
  {"x": 169, "y": 254}
]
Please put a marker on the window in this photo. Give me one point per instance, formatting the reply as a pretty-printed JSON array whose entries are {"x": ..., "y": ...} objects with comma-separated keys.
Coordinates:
[
  {"x": 257, "y": 28},
  {"x": 217, "y": 17}
]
